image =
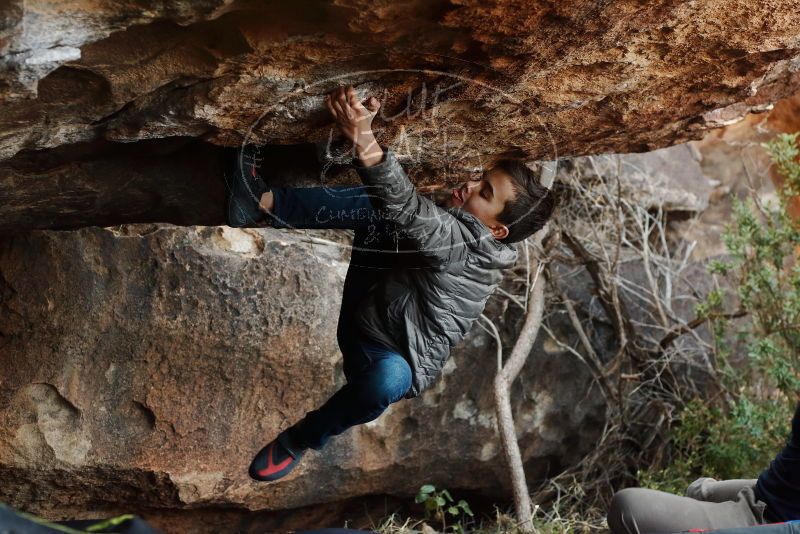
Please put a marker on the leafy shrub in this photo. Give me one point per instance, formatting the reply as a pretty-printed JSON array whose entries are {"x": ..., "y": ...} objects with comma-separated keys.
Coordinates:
[
  {"x": 438, "y": 503},
  {"x": 737, "y": 434}
]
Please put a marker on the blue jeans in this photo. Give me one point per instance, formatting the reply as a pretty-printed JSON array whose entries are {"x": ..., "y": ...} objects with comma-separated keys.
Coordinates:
[{"x": 377, "y": 376}]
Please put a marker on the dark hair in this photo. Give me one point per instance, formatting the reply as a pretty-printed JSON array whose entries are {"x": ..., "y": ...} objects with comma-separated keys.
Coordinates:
[{"x": 532, "y": 205}]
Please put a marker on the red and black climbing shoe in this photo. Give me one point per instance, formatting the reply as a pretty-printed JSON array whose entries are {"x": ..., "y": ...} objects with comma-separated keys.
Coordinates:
[
  {"x": 244, "y": 186},
  {"x": 276, "y": 459}
]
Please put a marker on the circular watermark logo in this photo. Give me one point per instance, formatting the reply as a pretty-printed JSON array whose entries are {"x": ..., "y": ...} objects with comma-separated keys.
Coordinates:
[{"x": 396, "y": 224}]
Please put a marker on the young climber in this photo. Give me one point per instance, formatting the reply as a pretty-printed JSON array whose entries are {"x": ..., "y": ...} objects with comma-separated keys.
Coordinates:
[
  {"x": 771, "y": 498},
  {"x": 419, "y": 275}
]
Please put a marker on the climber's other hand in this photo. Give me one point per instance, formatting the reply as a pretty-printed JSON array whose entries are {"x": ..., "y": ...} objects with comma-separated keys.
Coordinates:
[{"x": 353, "y": 118}]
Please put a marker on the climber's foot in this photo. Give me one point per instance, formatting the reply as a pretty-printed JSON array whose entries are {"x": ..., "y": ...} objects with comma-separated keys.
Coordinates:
[
  {"x": 244, "y": 186},
  {"x": 276, "y": 459}
]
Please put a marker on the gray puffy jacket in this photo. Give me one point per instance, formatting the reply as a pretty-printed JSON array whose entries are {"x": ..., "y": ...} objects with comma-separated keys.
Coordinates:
[{"x": 423, "y": 313}]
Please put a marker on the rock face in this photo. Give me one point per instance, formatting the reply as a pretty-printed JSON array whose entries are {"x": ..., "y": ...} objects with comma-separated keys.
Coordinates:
[
  {"x": 144, "y": 366},
  {"x": 461, "y": 83},
  {"x": 147, "y": 363},
  {"x": 734, "y": 161}
]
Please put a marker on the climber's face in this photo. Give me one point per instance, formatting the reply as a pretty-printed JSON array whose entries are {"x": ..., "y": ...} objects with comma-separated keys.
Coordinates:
[{"x": 485, "y": 199}]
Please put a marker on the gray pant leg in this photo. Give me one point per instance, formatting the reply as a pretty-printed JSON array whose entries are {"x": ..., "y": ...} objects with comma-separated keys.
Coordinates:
[
  {"x": 645, "y": 511},
  {"x": 708, "y": 489}
]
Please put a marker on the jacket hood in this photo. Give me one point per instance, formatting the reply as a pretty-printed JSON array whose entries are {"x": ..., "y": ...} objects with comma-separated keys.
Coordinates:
[{"x": 492, "y": 253}]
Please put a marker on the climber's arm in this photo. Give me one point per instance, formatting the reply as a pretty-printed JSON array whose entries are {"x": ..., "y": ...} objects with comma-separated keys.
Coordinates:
[{"x": 438, "y": 235}]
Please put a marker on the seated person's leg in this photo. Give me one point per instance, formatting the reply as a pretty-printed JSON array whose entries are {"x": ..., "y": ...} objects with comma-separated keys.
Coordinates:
[
  {"x": 646, "y": 511},
  {"x": 711, "y": 490}
]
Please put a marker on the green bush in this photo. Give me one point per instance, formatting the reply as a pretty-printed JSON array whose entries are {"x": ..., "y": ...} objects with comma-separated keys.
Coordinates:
[
  {"x": 736, "y": 434},
  {"x": 736, "y": 442}
]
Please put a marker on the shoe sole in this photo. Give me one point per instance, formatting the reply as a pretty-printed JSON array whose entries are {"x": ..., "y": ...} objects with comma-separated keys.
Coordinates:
[{"x": 255, "y": 472}]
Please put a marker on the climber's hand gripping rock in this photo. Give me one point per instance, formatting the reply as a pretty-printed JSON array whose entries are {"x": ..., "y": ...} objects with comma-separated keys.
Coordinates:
[{"x": 354, "y": 120}]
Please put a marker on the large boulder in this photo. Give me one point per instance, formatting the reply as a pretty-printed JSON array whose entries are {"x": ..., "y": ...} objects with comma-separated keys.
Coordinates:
[{"x": 145, "y": 365}]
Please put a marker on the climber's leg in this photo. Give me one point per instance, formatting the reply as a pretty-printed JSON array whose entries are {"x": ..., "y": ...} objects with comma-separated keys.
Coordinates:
[
  {"x": 323, "y": 206},
  {"x": 646, "y": 511},
  {"x": 341, "y": 206},
  {"x": 376, "y": 377}
]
